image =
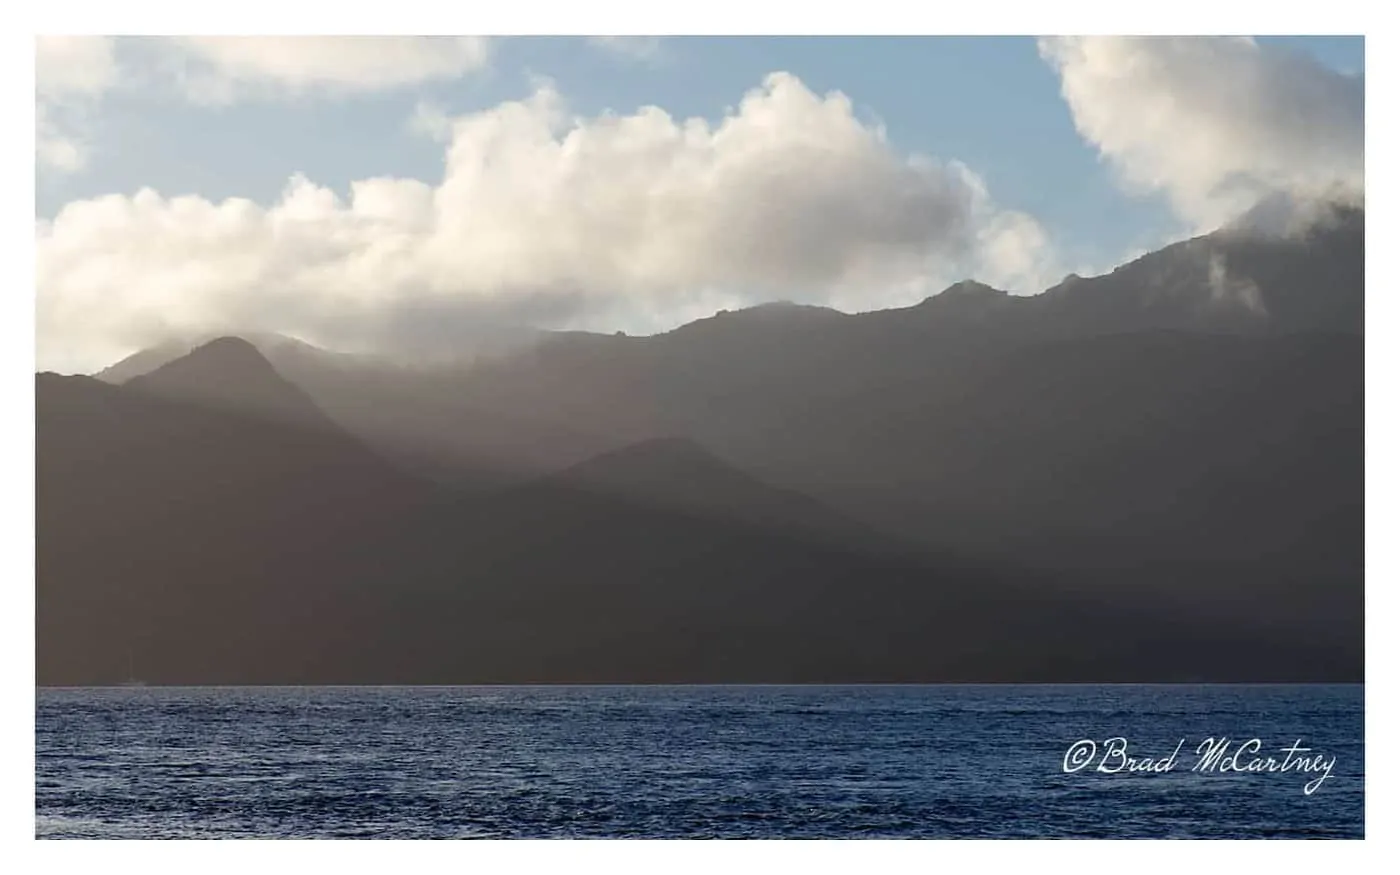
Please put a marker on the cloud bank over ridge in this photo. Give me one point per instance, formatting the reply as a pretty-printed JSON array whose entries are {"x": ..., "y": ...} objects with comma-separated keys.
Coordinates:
[{"x": 636, "y": 222}]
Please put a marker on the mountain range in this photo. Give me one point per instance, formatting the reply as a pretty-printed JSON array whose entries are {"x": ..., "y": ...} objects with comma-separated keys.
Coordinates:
[{"x": 1156, "y": 474}]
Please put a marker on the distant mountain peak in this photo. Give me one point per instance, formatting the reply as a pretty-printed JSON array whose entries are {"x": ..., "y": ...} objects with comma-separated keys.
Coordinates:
[
  {"x": 147, "y": 360},
  {"x": 774, "y": 309},
  {"x": 649, "y": 462},
  {"x": 230, "y": 372},
  {"x": 972, "y": 287},
  {"x": 968, "y": 299},
  {"x": 223, "y": 359},
  {"x": 230, "y": 345},
  {"x": 786, "y": 306},
  {"x": 967, "y": 290},
  {"x": 679, "y": 474},
  {"x": 1284, "y": 215}
]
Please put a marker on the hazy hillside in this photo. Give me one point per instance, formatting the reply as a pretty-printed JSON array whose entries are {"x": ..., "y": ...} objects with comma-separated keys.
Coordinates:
[
  {"x": 1154, "y": 474},
  {"x": 208, "y": 546},
  {"x": 719, "y": 380}
]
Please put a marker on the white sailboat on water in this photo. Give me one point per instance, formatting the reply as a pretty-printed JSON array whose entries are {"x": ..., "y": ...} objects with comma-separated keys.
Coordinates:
[{"x": 131, "y": 679}]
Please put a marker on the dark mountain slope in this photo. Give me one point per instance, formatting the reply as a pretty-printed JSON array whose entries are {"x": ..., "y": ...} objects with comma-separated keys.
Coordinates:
[
  {"x": 213, "y": 547},
  {"x": 556, "y": 585},
  {"x": 169, "y": 528}
]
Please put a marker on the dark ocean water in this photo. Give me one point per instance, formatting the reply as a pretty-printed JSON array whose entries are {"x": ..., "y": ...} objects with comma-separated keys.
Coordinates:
[{"x": 687, "y": 762}]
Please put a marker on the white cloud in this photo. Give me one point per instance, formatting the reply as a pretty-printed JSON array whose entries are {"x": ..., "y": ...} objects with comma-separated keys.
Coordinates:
[
  {"x": 73, "y": 73},
  {"x": 73, "y": 66},
  {"x": 58, "y": 147},
  {"x": 431, "y": 120},
  {"x": 634, "y": 48},
  {"x": 1215, "y": 124},
  {"x": 219, "y": 69},
  {"x": 70, "y": 73},
  {"x": 631, "y": 222}
]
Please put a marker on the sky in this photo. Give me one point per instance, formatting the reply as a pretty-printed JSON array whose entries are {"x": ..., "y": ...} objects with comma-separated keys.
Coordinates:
[{"x": 412, "y": 194}]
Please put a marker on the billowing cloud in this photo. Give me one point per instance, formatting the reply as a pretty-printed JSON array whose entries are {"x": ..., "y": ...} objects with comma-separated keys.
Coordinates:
[
  {"x": 219, "y": 69},
  {"x": 632, "y": 222},
  {"x": 1215, "y": 124},
  {"x": 70, "y": 73}
]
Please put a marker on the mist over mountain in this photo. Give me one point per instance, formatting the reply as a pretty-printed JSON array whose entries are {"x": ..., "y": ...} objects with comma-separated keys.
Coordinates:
[
  {"x": 231, "y": 374},
  {"x": 1156, "y": 474},
  {"x": 274, "y": 347}
]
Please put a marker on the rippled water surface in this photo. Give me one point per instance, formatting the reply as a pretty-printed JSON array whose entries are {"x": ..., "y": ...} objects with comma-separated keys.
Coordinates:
[{"x": 687, "y": 762}]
